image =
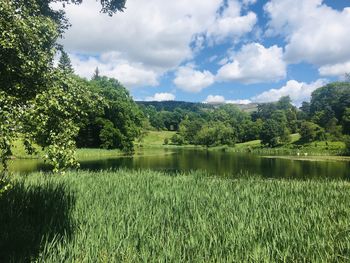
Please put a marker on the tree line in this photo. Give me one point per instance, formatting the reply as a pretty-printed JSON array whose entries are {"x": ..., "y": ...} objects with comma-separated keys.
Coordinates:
[{"x": 325, "y": 117}]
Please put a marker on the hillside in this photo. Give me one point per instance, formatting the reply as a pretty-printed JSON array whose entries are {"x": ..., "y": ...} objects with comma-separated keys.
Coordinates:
[{"x": 192, "y": 106}]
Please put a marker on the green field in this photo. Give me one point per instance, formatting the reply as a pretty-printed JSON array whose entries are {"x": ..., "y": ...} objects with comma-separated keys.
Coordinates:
[
  {"x": 155, "y": 138},
  {"x": 126, "y": 216},
  {"x": 318, "y": 148}
]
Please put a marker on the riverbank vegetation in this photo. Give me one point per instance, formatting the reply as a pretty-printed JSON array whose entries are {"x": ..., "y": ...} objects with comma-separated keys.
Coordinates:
[
  {"x": 322, "y": 123},
  {"x": 135, "y": 216}
]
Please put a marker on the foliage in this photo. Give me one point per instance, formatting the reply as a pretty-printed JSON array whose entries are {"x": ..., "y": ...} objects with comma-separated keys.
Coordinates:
[
  {"x": 166, "y": 141},
  {"x": 347, "y": 144},
  {"x": 328, "y": 106},
  {"x": 118, "y": 124},
  {"x": 346, "y": 121},
  {"x": 26, "y": 50},
  {"x": 216, "y": 133},
  {"x": 64, "y": 64},
  {"x": 271, "y": 133},
  {"x": 310, "y": 131},
  {"x": 36, "y": 101},
  {"x": 53, "y": 119},
  {"x": 177, "y": 139}
]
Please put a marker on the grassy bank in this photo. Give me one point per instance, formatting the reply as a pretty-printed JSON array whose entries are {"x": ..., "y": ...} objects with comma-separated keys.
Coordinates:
[
  {"x": 154, "y": 140},
  {"x": 146, "y": 216},
  {"x": 295, "y": 147}
]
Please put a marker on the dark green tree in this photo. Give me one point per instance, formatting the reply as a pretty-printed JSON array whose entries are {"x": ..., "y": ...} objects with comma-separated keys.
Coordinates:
[
  {"x": 96, "y": 74},
  {"x": 310, "y": 131},
  {"x": 346, "y": 121},
  {"x": 118, "y": 124},
  {"x": 271, "y": 133},
  {"x": 65, "y": 64}
]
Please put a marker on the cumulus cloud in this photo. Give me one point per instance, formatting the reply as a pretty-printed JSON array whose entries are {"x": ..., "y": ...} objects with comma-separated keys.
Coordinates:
[
  {"x": 157, "y": 33},
  {"x": 335, "y": 70},
  {"x": 189, "y": 79},
  {"x": 221, "y": 99},
  {"x": 161, "y": 97},
  {"x": 214, "y": 99},
  {"x": 151, "y": 37},
  {"x": 241, "y": 101},
  {"x": 314, "y": 32},
  {"x": 231, "y": 24},
  {"x": 253, "y": 64},
  {"x": 298, "y": 91},
  {"x": 111, "y": 65}
]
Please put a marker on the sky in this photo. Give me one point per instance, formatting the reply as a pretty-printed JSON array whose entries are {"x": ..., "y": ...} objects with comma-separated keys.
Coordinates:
[{"x": 227, "y": 51}]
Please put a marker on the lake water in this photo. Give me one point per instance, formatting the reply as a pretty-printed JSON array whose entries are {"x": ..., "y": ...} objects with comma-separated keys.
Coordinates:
[{"x": 212, "y": 162}]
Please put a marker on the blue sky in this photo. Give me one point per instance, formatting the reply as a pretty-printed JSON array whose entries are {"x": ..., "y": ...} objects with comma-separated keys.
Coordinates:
[{"x": 233, "y": 51}]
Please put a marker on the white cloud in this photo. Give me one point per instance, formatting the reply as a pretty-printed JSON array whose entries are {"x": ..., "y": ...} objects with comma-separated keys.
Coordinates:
[
  {"x": 298, "y": 91},
  {"x": 215, "y": 99},
  {"x": 253, "y": 64},
  {"x": 335, "y": 70},
  {"x": 111, "y": 65},
  {"x": 315, "y": 33},
  {"x": 221, "y": 99},
  {"x": 189, "y": 79},
  {"x": 161, "y": 97},
  {"x": 231, "y": 24},
  {"x": 157, "y": 33},
  {"x": 241, "y": 101},
  {"x": 150, "y": 37}
]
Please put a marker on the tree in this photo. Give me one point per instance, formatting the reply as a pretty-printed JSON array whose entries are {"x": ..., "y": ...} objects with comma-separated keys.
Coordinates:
[
  {"x": 310, "y": 131},
  {"x": 347, "y": 144},
  {"x": 271, "y": 133},
  {"x": 26, "y": 50},
  {"x": 347, "y": 77},
  {"x": 177, "y": 139},
  {"x": 96, "y": 74},
  {"x": 37, "y": 102},
  {"x": 65, "y": 64},
  {"x": 332, "y": 100},
  {"x": 119, "y": 122},
  {"x": 215, "y": 133},
  {"x": 346, "y": 121}
]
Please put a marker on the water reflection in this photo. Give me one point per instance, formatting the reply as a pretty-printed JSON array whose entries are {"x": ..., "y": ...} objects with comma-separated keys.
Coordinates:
[{"x": 213, "y": 162}]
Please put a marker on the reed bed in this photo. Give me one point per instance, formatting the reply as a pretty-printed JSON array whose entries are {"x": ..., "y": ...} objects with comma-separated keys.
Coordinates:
[{"x": 146, "y": 216}]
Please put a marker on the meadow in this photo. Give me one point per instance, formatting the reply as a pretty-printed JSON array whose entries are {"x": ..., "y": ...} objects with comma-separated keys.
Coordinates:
[{"x": 145, "y": 216}]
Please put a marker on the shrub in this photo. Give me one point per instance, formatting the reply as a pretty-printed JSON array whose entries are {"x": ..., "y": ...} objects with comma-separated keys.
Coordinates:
[{"x": 177, "y": 139}]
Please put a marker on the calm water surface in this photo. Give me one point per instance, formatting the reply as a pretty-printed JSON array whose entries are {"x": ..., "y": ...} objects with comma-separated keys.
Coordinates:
[{"x": 212, "y": 162}]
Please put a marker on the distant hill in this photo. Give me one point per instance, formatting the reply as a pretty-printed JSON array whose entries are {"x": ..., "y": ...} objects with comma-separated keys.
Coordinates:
[{"x": 192, "y": 106}]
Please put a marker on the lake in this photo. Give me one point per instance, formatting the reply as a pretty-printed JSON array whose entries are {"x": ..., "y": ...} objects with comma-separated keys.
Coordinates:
[{"x": 212, "y": 162}]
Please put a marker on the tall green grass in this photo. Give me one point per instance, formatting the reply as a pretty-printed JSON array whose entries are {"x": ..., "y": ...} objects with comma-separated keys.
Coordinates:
[{"x": 145, "y": 216}]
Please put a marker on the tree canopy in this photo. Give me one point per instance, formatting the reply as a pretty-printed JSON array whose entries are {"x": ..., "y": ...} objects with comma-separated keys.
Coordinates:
[{"x": 39, "y": 103}]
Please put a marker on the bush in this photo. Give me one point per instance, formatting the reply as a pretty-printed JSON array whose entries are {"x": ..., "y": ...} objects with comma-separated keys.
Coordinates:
[
  {"x": 166, "y": 141},
  {"x": 177, "y": 139}
]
